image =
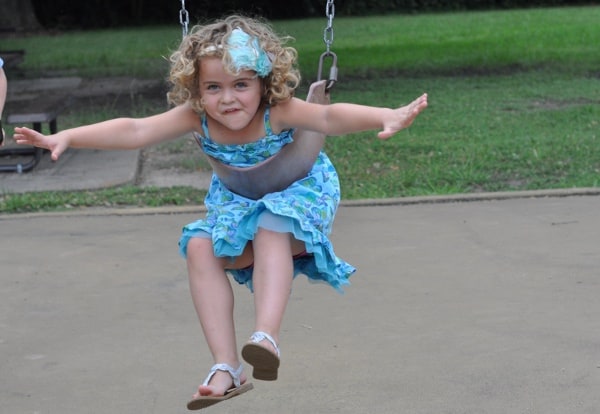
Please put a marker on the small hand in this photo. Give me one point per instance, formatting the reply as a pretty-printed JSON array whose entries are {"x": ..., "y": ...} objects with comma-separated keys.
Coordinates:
[
  {"x": 403, "y": 117},
  {"x": 26, "y": 136}
]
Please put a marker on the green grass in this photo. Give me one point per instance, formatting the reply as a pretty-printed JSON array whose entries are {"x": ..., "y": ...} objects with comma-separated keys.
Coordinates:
[
  {"x": 447, "y": 43},
  {"x": 514, "y": 95},
  {"x": 139, "y": 52},
  {"x": 126, "y": 196},
  {"x": 522, "y": 131},
  {"x": 556, "y": 37}
]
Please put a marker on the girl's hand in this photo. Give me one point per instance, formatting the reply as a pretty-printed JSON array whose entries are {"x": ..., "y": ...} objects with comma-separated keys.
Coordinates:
[
  {"x": 403, "y": 117},
  {"x": 26, "y": 136}
]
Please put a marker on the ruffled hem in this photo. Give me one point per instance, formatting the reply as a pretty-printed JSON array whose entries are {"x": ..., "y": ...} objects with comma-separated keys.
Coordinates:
[{"x": 320, "y": 265}]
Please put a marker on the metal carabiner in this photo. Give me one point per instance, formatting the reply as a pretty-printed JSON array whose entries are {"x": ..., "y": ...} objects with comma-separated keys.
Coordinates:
[{"x": 333, "y": 70}]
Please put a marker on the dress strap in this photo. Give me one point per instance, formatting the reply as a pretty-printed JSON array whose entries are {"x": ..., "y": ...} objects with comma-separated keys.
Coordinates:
[
  {"x": 204, "y": 125},
  {"x": 199, "y": 137},
  {"x": 267, "y": 121}
]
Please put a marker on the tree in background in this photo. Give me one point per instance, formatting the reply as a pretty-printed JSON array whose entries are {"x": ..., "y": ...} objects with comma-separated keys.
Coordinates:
[
  {"x": 18, "y": 15},
  {"x": 69, "y": 14}
]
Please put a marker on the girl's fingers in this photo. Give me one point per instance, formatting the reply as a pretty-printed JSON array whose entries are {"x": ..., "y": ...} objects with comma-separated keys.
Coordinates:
[{"x": 385, "y": 134}]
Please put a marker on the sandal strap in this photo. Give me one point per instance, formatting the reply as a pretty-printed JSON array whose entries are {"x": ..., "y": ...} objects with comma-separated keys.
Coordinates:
[
  {"x": 260, "y": 335},
  {"x": 235, "y": 373}
]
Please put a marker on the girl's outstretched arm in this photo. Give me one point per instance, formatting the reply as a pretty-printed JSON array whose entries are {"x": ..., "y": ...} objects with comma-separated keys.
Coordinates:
[
  {"x": 344, "y": 118},
  {"x": 120, "y": 133}
]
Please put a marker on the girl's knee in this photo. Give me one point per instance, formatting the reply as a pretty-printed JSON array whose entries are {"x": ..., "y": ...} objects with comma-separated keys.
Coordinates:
[
  {"x": 199, "y": 253},
  {"x": 198, "y": 246},
  {"x": 269, "y": 238}
]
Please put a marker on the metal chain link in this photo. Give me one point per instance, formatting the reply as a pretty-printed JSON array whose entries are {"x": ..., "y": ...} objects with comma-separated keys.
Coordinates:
[
  {"x": 328, "y": 54},
  {"x": 184, "y": 19},
  {"x": 328, "y": 32}
]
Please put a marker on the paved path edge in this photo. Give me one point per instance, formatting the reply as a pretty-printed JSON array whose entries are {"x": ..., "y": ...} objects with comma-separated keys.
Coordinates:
[{"x": 400, "y": 201}]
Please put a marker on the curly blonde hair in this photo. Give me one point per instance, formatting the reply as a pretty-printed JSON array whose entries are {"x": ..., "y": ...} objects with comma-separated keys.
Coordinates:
[{"x": 211, "y": 40}]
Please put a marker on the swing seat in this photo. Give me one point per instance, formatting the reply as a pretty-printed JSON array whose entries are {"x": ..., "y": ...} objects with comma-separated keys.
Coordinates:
[{"x": 278, "y": 172}]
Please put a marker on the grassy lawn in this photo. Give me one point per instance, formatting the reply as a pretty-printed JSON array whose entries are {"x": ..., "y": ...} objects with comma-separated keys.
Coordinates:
[
  {"x": 528, "y": 130},
  {"x": 514, "y": 96}
]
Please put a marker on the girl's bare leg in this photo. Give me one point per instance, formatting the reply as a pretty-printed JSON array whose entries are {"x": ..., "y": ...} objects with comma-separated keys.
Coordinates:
[
  {"x": 272, "y": 279},
  {"x": 213, "y": 300}
]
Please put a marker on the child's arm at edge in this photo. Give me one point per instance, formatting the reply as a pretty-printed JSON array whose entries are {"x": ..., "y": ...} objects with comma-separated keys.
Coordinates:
[{"x": 119, "y": 133}]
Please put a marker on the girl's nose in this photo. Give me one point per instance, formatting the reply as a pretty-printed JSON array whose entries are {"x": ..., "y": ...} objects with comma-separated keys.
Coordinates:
[{"x": 227, "y": 95}]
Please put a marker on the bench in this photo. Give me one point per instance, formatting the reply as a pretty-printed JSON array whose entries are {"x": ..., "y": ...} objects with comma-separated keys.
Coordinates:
[
  {"x": 36, "y": 113},
  {"x": 12, "y": 58}
]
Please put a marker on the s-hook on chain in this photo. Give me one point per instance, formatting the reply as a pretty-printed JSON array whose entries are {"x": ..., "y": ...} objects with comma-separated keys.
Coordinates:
[
  {"x": 328, "y": 39},
  {"x": 184, "y": 19}
]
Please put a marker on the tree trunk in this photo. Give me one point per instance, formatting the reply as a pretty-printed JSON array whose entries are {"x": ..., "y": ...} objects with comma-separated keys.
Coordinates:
[{"x": 18, "y": 15}]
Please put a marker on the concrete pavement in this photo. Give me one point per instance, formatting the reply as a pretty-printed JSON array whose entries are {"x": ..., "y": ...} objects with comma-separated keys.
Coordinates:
[
  {"x": 485, "y": 306},
  {"x": 76, "y": 169},
  {"x": 476, "y": 307}
]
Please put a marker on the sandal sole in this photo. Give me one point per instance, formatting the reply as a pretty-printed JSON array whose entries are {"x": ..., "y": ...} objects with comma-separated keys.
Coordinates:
[
  {"x": 204, "y": 402},
  {"x": 265, "y": 363}
]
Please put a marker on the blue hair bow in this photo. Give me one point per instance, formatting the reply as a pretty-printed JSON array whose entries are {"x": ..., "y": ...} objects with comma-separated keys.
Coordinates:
[{"x": 246, "y": 54}]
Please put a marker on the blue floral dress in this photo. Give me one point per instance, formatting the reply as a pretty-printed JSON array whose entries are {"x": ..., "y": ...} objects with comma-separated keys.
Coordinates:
[{"x": 307, "y": 208}]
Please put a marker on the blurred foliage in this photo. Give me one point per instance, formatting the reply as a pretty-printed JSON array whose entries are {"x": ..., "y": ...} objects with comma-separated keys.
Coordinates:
[{"x": 67, "y": 14}]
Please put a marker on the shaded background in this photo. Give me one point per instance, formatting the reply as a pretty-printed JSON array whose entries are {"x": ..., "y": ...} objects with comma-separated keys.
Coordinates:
[{"x": 31, "y": 15}]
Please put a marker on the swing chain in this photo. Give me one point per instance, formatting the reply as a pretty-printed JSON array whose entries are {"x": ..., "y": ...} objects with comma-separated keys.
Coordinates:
[
  {"x": 328, "y": 32},
  {"x": 328, "y": 39},
  {"x": 184, "y": 19}
]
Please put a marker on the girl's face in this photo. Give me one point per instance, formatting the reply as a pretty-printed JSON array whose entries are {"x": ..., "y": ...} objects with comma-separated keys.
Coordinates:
[{"x": 232, "y": 101}]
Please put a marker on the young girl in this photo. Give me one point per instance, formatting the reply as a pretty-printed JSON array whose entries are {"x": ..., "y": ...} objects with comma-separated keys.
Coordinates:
[{"x": 233, "y": 86}]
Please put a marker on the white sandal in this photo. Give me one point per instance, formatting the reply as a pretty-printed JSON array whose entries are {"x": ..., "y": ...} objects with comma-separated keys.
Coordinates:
[
  {"x": 264, "y": 362},
  {"x": 237, "y": 389}
]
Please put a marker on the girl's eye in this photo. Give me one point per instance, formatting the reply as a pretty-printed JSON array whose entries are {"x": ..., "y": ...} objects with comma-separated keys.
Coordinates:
[
  {"x": 212, "y": 87},
  {"x": 241, "y": 85}
]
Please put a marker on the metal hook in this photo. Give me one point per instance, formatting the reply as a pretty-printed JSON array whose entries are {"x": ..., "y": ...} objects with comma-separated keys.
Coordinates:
[
  {"x": 184, "y": 19},
  {"x": 333, "y": 71}
]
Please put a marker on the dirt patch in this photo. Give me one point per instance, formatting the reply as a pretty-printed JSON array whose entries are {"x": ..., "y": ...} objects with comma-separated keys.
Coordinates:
[
  {"x": 562, "y": 103},
  {"x": 176, "y": 163}
]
